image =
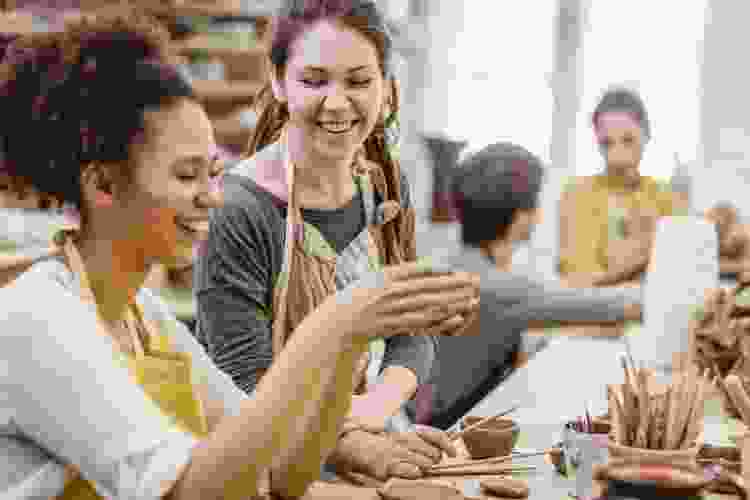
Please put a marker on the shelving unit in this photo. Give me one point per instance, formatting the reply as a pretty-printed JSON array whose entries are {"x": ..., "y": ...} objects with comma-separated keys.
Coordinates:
[{"x": 243, "y": 63}]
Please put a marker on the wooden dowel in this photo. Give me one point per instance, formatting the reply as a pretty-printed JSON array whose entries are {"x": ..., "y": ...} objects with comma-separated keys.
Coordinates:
[
  {"x": 479, "y": 470},
  {"x": 492, "y": 460}
]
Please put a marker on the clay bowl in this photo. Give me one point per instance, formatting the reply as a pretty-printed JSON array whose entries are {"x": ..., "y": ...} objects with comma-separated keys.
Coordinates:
[{"x": 494, "y": 439}]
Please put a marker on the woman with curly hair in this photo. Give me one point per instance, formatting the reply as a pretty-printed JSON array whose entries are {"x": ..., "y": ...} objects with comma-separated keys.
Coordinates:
[
  {"x": 104, "y": 393},
  {"x": 321, "y": 201}
]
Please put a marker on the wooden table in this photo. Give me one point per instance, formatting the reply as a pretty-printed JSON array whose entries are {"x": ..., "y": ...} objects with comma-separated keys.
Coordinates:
[{"x": 553, "y": 388}]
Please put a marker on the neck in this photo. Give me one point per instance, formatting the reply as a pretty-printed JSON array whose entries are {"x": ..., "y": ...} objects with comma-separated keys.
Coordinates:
[
  {"x": 500, "y": 252},
  {"x": 324, "y": 183},
  {"x": 115, "y": 272},
  {"x": 623, "y": 182}
]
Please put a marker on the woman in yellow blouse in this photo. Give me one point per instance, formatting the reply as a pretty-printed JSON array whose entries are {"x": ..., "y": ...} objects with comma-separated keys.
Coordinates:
[{"x": 607, "y": 220}]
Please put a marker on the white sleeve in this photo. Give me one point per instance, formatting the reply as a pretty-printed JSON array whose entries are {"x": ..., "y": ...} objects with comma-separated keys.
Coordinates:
[{"x": 75, "y": 399}]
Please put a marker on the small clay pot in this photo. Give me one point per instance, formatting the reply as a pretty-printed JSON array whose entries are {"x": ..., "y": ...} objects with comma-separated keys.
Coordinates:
[{"x": 494, "y": 439}]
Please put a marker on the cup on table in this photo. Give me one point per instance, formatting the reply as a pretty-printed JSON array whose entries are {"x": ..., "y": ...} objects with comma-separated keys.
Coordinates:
[{"x": 581, "y": 451}]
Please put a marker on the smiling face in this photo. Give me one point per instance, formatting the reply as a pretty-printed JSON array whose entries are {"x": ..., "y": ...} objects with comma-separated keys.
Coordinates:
[
  {"x": 621, "y": 143},
  {"x": 333, "y": 86},
  {"x": 176, "y": 181}
]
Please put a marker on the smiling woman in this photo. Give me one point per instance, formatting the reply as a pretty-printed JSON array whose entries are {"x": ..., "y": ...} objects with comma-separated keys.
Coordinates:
[{"x": 105, "y": 394}]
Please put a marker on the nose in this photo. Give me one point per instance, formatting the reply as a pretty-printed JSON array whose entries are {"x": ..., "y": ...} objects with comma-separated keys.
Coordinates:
[
  {"x": 212, "y": 194},
  {"x": 336, "y": 98},
  {"x": 620, "y": 155}
]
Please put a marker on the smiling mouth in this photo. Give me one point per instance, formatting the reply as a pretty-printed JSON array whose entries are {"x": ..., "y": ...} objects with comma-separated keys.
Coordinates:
[
  {"x": 338, "y": 127},
  {"x": 193, "y": 228}
]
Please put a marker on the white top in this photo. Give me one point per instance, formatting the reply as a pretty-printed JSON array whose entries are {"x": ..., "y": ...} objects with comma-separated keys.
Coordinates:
[{"x": 65, "y": 398}]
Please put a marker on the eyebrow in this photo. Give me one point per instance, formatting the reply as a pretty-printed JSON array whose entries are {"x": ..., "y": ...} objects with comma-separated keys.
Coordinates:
[{"x": 318, "y": 69}]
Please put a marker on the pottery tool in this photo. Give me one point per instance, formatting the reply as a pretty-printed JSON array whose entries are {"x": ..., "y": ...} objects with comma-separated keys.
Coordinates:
[
  {"x": 485, "y": 469},
  {"x": 492, "y": 460},
  {"x": 482, "y": 422}
]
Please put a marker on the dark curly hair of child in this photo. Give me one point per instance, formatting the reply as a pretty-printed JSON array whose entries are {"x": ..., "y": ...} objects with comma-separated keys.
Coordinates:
[{"x": 78, "y": 97}]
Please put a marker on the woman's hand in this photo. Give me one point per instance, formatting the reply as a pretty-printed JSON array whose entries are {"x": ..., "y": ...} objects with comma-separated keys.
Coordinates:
[
  {"x": 415, "y": 297},
  {"x": 382, "y": 456}
]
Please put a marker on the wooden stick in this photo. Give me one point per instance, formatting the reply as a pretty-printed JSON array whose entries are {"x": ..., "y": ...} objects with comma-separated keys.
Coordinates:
[
  {"x": 479, "y": 470},
  {"x": 491, "y": 460},
  {"x": 483, "y": 422}
]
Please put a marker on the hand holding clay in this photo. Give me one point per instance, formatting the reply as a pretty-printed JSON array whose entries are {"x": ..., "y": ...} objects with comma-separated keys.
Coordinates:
[
  {"x": 383, "y": 456},
  {"x": 420, "y": 297}
]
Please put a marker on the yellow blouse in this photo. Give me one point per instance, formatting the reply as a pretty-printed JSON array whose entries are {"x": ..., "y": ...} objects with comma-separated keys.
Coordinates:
[{"x": 597, "y": 218}]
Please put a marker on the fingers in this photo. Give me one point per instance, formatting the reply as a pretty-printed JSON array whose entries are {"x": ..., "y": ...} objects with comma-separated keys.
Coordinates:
[
  {"x": 434, "y": 284},
  {"x": 420, "y": 268},
  {"x": 429, "y": 455},
  {"x": 413, "y": 323},
  {"x": 404, "y": 470},
  {"x": 437, "y": 438},
  {"x": 419, "y": 301}
]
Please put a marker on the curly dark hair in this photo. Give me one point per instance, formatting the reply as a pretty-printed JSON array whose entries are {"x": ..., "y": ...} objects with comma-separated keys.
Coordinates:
[
  {"x": 625, "y": 100},
  {"x": 80, "y": 96}
]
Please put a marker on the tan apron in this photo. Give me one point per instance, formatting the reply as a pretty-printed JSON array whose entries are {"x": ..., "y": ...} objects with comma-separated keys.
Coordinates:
[
  {"x": 163, "y": 373},
  {"x": 316, "y": 271}
]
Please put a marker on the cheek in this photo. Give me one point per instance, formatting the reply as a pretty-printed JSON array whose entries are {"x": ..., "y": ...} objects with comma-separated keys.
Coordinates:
[{"x": 159, "y": 227}]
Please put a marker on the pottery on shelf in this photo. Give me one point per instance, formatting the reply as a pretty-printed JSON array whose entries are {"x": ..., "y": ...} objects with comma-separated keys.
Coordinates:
[
  {"x": 494, "y": 439},
  {"x": 444, "y": 153}
]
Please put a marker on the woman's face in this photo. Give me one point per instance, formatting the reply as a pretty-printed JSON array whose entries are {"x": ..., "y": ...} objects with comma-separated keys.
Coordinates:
[
  {"x": 620, "y": 143},
  {"x": 177, "y": 180},
  {"x": 333, "y": 87}
]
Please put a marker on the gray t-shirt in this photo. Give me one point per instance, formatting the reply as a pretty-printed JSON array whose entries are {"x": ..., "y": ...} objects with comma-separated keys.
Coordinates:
[
  {"x": 67, "y": 397},
  {"x": 238, "y": 267},
  {"x": 510, "y": 300}
]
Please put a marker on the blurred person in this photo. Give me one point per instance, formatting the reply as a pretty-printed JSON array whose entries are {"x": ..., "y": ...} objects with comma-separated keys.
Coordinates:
[
  {"x": 320, "y": 202},
  {"x": 607, "y": 221},
  {"x": 734, "y": 241},
  {"x": 105, "y": 394},
  {"x": 496, "y": 194}
]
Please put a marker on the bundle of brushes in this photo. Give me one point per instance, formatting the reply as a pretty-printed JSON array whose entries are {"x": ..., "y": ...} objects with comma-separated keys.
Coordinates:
[
  {"x": 721, "y": 329},
  {"x": 658, "y": 418}
]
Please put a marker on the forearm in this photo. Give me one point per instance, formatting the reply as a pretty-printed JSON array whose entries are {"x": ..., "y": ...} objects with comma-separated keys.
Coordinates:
[
  {"x": 313, "y": 442},
  {"x": 231, "y": 460}
]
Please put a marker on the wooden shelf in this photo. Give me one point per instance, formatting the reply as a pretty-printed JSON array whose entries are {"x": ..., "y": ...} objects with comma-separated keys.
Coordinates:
[
  {"x": 222, "y": 90},
  {"x": 200, "y": 43}
]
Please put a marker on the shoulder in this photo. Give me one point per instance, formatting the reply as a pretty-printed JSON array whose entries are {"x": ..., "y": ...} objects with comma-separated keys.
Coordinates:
[
  {"x": 580, "y": 183},
  {"x": 42, "y": 309}
]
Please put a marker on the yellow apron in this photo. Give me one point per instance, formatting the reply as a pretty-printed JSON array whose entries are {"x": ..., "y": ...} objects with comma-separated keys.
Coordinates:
[{"x": 164, "y": 374}]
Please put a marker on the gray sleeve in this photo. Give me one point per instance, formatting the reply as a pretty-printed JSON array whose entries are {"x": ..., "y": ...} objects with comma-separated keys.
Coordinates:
[
  {"x": 220, "y": 385},
  {"x": 234, "y": 280},
  {"x": 416, "y": 353},
  {"x": 76, "y": 401},
  {"x": 551, "y": 301}
]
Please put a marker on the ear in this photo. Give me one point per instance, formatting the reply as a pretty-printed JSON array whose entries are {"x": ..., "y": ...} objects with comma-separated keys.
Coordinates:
[
  {"x": 277, "y": 87},
  {"x": 97, "y": 185}
]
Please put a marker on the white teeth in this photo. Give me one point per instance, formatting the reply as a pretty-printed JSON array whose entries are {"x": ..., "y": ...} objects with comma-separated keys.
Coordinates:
[
  {"x": 337, "y": 126},
  {"x": 201, "y": 226}
]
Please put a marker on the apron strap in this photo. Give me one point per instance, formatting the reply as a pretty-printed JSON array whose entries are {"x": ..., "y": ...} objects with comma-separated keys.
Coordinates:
[{"x": 66, "y": 240}]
